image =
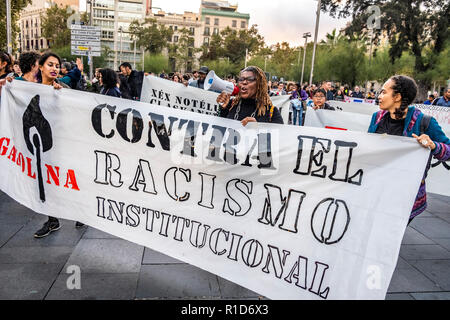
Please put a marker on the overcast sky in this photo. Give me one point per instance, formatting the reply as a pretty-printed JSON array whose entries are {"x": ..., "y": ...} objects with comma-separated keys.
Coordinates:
[{"x": 277, "y": 20}]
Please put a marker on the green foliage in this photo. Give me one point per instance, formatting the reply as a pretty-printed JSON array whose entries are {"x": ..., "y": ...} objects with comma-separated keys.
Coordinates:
[
  {"x": 184, "y": 52},
  {"x": 150, "y": 35},
  {"x": 419, "y": 28},
  {"x": 222, "y": 67},
  {"x": 155, "y": 63},
  {"x": 54, "y": 25},
  {"x": 16, "y": 7}
]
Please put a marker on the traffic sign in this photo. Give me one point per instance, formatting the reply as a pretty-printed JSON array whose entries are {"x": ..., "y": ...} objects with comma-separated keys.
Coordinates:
[
  {"x": 86, "y": 48},
  {"x": 85, "y": 53},
  {"x": 85, "y": 38}
]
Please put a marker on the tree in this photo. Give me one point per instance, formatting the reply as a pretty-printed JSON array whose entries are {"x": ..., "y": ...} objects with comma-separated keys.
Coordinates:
[
  {"x": 184, "y": 52},
  {"x": 149, "y": 35},
  {"x": 54, "y": 25},
  {"x": 410, "y": 25},
  {"x": 16, "y": 7},
  {"x": 236, "y": 43}
]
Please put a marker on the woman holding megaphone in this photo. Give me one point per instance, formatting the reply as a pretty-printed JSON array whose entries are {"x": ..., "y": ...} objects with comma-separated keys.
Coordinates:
[{"x": 252, "y": 104}]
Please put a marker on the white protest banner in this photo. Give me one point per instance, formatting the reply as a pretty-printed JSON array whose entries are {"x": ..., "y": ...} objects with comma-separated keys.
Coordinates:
[
  {"x": 438, "y": 176},
  {"x": 362, "y": 108},
  {"x": 162, "y": 92},
  {"x": 337, "y": 120},
  {"x": 289, "y": 212},
  {"x": 283, "y": 103}
]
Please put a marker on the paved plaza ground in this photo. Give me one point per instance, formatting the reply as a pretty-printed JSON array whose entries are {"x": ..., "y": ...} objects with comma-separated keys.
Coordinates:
[{"x": 113, "y": 268}]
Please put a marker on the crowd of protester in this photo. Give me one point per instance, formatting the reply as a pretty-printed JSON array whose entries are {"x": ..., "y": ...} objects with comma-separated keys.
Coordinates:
[{"x": 252, "y": 103}]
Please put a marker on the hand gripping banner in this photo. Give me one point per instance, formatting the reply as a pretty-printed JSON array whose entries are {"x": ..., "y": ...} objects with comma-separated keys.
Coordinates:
[{"x": 289, "y": 212}]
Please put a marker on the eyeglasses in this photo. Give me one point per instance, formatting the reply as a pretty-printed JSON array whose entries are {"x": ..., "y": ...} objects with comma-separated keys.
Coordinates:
[
  {"x": 319, "y": 97},
  {"x": 248, "y": 79}
]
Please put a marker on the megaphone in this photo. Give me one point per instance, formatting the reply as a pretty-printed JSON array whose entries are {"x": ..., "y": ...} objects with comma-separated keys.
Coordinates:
[{"x": 214, "y": 83}]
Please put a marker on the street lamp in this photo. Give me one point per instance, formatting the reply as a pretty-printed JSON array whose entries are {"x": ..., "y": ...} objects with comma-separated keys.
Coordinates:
[
  {"x": 306, "y": 35},
  {"x": 319, "y": 2},
  {"x": 8, "y": 26},
  {"x": 120, "y": 56},
  {"x": 91, "y": 62}
]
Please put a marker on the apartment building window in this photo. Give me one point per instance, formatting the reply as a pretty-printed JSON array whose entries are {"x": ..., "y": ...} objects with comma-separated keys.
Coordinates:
[
  {"x": 175, "y": 28},
  {"x": 216, "y": 31},
  {"x": 42, "y": 43},
  {"x": 175, "y": 39},
  {"x": 206, "y": 40},
  {"x": 191, "y": 42},
  {"x": 216, "y": 21},
  {"x": 243, "y": 24},
  {"x": 206, "y": 33},
  {"x": 192, "y": 31},
  {"x": 234, "y": 23},
  {"x": 206, "y": 20}
]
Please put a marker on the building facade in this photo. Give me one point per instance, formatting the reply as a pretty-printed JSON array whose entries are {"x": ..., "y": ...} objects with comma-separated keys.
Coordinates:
[
  {"x": 30, "y": 35},
  {"x": 218, "y": 15}
]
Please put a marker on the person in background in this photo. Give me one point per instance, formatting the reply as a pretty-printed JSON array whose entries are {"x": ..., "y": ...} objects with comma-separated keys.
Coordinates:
[
  {"x": 430, "y": 100},
  {"x": 5, "y": 64},
  {"x": 280, "y": 90},
  {"x": 397, "y": 117},
  {"x": 109, "y": 82},
  {"x": 200, "y": 81},
  {"x": 252, "y": 104},
  {"x": 95, "y": 84},
  {"x": 319, "y": 100},
  {"x": 328, "y": 89},
  {"x": 357, "y": 93},
  {"x": 16, "y": 69},
  {"x": 134, "y": 80},
  {"x": 340, "y": 96},
  {"x": 444, "y": 101},
  {"x": 29, "y": 64},
  {"x": 71, "y": 73}
]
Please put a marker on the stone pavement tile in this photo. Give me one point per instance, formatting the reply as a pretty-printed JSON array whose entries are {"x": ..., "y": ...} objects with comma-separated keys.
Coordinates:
[
  {"x": 443, "y": 216},
  {"x": 423, "y": 251},
  {"x": 156, "y": 257},
  {"x": 411, "y": 280},
  {"x": 27, "y": 281},
  {"x": 35, "y": 254},
  {"x": 436, "y": 270},
  {"x": 438, "y": 196},
  {"x": 402, "y": 264},
  {"x": 106, "y": 256},
  {"x": 445, "y": 243},
  {"x": 436, "y": 206},
  {"x": 66, "y": 236},
  {"x": 7, "y": 231},
  {"x": 412, "y": 236},
  {"x": 92, "y": 233},
  {"x": 432, "y": 296},
  {"x": 426, "y": 214},
  {"x": 230, "y": 289},
  {"x": 432, "y": 227},
  {"x": 12, "y": 212},
  {"x": 121, "y": 286},
  {"x": 399, "y": 296},
  {"x": 176, "y": 281}
]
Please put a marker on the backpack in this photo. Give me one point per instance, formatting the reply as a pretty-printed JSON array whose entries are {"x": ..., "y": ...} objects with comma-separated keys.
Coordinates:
[{"x": 425, "y": 123}]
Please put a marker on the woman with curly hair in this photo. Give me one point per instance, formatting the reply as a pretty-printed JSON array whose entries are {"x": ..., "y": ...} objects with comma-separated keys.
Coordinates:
[
  {"x": 253, "y": 103},
  {"x": 6, "y": 63},
  {"x": 397, "y": 117},
  {"x": 109, "y": 80}
]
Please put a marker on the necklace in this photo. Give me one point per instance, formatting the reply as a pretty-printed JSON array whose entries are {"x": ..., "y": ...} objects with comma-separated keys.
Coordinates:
[{"x": 236, "y": 115}]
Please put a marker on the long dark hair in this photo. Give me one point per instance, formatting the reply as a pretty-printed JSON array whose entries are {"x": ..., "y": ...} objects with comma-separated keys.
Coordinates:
[
  {"x": 42, "y": 60},
  {"x": 263, "y": 101},
  {"x": 407, "y": 88},
  {"x": 6, "y": 57},
  {"x": 109, "y": 78}
]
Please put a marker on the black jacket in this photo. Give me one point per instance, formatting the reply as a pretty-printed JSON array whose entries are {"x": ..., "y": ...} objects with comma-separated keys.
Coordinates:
[
  {"x": 134, "y": 81},
  {"x": 248, "y": 106}
]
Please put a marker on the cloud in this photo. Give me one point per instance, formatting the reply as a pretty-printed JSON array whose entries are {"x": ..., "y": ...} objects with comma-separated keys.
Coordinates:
[{"x": 278, "y": 21}]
